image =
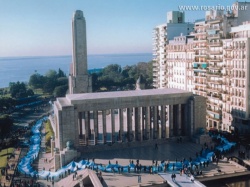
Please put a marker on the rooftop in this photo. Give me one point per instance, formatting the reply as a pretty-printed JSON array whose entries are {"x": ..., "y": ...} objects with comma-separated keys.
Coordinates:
[{"x": 120, "y": 94}]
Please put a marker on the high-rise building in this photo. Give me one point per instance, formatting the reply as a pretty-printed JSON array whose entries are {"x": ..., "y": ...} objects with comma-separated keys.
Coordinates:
[
  {"x": 219, "y": 70},
  {"x": 179, "y": 63},
  {"x": 161, "y": 36},
  {"x": 79, "y": 80},
  {"x": 159, "y": 61},
  {"x": 236, "y": 74}
]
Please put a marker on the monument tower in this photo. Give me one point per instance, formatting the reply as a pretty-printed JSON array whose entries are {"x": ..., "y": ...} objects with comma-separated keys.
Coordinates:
[{"x": 79, "y": 80}]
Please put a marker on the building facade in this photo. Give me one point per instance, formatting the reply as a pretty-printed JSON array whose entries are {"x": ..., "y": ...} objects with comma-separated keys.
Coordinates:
[
  {"x": 210, "y": 73},
  {"x": 161, "y": 35},
  {"x": 125, "y": 116}
]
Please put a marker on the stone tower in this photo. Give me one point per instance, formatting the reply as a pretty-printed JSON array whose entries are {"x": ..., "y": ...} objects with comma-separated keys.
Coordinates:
[{"x": 79, "y": 80}]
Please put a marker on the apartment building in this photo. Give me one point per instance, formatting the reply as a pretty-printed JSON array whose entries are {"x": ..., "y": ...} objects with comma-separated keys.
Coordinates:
[
  {"x": 236, "y": 75},
  {"x": 179, "y": 63},
  {"x": 161, "y": 35},
  {"x": 208, "y": 63},
  {"x": 159, "y": 53}
]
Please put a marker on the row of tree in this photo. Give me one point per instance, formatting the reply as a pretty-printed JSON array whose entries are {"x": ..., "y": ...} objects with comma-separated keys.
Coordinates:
[
  {"x": 115, "y": 77},
  {"x": 52, "y": 82},
  {"x": 112, "y": 77},
  {"x": 19, "y": 90}
]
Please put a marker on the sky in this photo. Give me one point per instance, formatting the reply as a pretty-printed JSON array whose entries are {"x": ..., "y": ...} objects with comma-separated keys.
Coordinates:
[{"x": 43, "y": 27}]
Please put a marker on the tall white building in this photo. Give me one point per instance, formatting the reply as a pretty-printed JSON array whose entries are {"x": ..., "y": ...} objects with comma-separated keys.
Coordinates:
[
  {"x": 214, "y": 64},
  {"x": 236, "y": 79},
  {"x": 159, "y": 53},
  {"x": 179, "y": 63},
  {"x": 161, "y": 36}
]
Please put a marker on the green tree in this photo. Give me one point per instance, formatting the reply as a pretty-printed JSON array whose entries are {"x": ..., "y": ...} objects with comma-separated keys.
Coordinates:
[
  {"x": 51, "y": 74},
  {"x": 36, "y": 81},
  {"x": 60, "y": 73},
  {"x": 50, "y": 81},
  {"x": 60, "y": 91},
  {"x": 5, "y": 124},
  {"x": 18, "y": 89},
  {"x": 6, "y": 104},
  {"x": 111, "y": 76},
  {"x": 62, "y": 81}
]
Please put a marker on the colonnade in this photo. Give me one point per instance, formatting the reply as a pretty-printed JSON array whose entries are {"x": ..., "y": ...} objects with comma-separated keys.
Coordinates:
[{"x": 132, "y": 124}]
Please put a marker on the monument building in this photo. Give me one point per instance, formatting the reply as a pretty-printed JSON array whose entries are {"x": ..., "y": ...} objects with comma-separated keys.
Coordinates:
[
  {"x": 83, "y": 119},
  {"x": 79, "y": 80}
]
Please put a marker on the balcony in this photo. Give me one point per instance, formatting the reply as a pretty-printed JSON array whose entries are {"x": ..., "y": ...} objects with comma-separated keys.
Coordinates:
[
  {"x": 214, "y": 28},
  {"x": 198, "y": 83},
  {"x": 228, "y": 57},
  {"x": 214, "y": 44},
  {"x": 215, "y": 52},
  {"x": 213, "y": 21},
  {"x": 214, "y": 36},
  {"x": 213, "y": 111},
  {"x": 155, "y": 74},
  {"x": 215, "y": 67},
  {"x": 229, "y": 67},
  {"x": 214, "y": 59},
  {"x": 200, "y": 47},
  {"x": 228, "y": 48},
  {"x": 200, "y": 40},
  {"x": 199, "y": 33},
  {"x": 214, "y": 90},
  {"x": 214, "y": 81},
  {"x": 204, "y": 55}
]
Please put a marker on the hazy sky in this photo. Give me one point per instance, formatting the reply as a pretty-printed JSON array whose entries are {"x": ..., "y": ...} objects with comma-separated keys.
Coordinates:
[{"x": 43, "y": 27}]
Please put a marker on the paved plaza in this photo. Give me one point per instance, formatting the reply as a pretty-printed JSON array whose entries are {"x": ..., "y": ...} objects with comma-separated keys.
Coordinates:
[{"x": 168, "y": 150}]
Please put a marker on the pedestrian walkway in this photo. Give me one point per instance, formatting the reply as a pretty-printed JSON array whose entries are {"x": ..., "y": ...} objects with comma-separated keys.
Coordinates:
[
  {"x": 169, "y": 150},
  {"x": 180, "y": 180},
  {"x": 11, "y": 168}
]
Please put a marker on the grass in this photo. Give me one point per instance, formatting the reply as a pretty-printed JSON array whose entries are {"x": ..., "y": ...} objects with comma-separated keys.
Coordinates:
[
  {"x": 49, "y": 132},
  {"x": 3, "y": 157}
]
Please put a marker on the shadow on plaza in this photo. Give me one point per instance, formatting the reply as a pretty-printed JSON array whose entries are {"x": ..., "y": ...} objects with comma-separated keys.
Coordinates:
[{"x": 166, "y": 151}]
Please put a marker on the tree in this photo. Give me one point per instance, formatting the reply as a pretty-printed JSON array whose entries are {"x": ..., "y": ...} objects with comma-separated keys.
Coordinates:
[
  {"x": 18, "y": 90},
  {"x": 60, "y": 91},
  {"x": 60, "y": 73},
  {"x": 36, "y": 81},
  {"x": 51, "y": 74},
  {"x": 49, "y": 82},
  {"x": 111, "y": 76},
  {"x": 5, "y": 124},
  {"x": 49, "y": 85},
  {"x": 62, "y": 81},
  {"x": 6, "y": 104}
]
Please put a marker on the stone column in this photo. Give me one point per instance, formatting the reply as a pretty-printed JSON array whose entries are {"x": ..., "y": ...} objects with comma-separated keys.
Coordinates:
[
  {"x": 121, "y": 123},
  {"x": 178, "y": 119},
  {"x": 155, "y": 122},
  {"x": 185, "y": 121},
  {"x": 140, "y": 130},
  {"x": 143, "y": 123},
  {"x": 171, "y": 120},
  {"x": 87, "y": 127},
  {"x": 147, "y": 122},
  {"x": 112, "y": 125},
  {"x": 129, "y": 123},
  {"x": 163, "y": 121},
  {"x": 137, "y": 117},
  {"x": 80, "y": 123},
  {"x": 96, "y": 130},
  {"x": 104, "y": 132}
]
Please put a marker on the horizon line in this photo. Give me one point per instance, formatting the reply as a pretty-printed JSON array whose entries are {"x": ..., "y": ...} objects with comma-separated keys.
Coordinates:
[{"x": 71, "y": 55}]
